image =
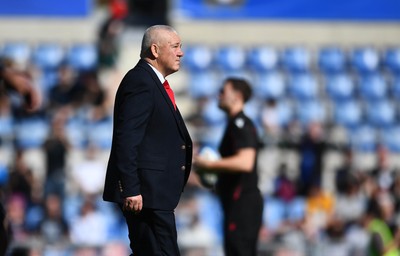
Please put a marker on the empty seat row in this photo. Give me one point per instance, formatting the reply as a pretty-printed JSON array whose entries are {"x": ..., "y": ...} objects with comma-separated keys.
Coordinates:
[
  {"x": 49, "y": 56},
  {"x": 330, "y": 59}
]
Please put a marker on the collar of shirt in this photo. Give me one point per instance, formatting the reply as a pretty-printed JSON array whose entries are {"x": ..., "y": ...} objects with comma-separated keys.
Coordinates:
[{"x": 159, "y": 75}]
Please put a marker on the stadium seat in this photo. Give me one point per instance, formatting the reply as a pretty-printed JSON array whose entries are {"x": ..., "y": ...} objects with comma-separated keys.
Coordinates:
[
  {"x": 296, "y": 59},
  {"x": 31, "y": 132},
  {"x": 390, "y": 138},
  {"x": 76, "y": 132},
  {"x": 100, "y": 133},
  {"x": 82, "y": 57},
  {"x": 332, "y": 60},
  {"x": 348, "y": 113},
  {"x": 48, "y": 56},
  {"x": 339, "y": 87},
  {"x": 269, "y": 85},
  {"x": 203, "y": 84},
  {"x": 310, "y": 111},
  {"x": 381, "y": 113},
  {"x": 18, "y": 52},
  {"x": 303, "y": 86},
  {"x": 373, "y": 87},
  {"x": 6, "y": 127},
  {"x": 392, "y": 59},
  {"x": 365, "y": 59},
  {"x": 197, "y": 58},
  {"x": 230, "y": 58},
  {"x": 263, "y": 58},
  {"x": 212, "y": 114},
  {"x": 395, "y": 88},
  {"x": 363, "y": 138}
]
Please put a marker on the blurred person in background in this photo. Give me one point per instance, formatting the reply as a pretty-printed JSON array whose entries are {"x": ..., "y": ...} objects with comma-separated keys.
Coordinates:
[
  {"x": 107, "y": 42},
  {"x": 53, "y": 228},
  {"x": 385, "y": 238},
  {"x": 151, "y": 154},
  {"x": 13, "y": 80},
  {"x": 237, "y": 184},
  {"x": 383, "y": 173},
  {"x": 56, "y": 148}
]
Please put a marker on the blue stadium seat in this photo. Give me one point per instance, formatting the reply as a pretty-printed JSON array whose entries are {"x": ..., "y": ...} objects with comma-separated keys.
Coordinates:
[
  {"x": 100, "y": 133},
  {"x": 365, "y": 59},
  {"x": 285, "y": 112},
  {"x": 296, "y": 59},
  {"x": 392, "y": 59},
  {"x": 31, "y": 132},
  {"x": 381, "y": 113},
  {"x": 373, "y": 87},
  {"x": 339, "y": 86},
  {"x": 332, "y": 60},
  {"x": 76, "y": 131},
  {"x": 197, "y": 58},
  {"x": 269, "y": 85},
  {"x": 48, "y": 56},
  {"x": 363, "y": 138},
  {"x": 6, "y": 127},
  {"x": 230, "y": 58},
  {"x": 303, "y": 86},
  {"x": 310, "y": 111},
  {"x": 263, "y": 58},
  {"x": 395, "y": 87},
  {"x": 203, "y": 84},
  {"x": 390, "y": 138},
  {"x": 212, "y": 114},
  {"x": 348, "y": 113},
  {"x": 82, "y": 57},
  {"x": 18, "y": 52}
]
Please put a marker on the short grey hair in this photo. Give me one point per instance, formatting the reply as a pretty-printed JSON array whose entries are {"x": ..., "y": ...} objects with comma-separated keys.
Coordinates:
[{"x": 150, "y": 36}]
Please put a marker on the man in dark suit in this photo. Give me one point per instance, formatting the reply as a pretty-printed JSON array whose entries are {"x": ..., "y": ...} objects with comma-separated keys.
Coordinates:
[{"x": 151, "y": 152}]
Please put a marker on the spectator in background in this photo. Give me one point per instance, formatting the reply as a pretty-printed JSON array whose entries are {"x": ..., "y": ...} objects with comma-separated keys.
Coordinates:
[
  {"x": 89, "y": 173},
  {"x": 383, "y": 173},
  {"x": 237, "y": 184},
  {"x": 15, "y": 81},
  {"x": 65, "y": 92},
  {"x": 311, "y": 148},
  {"x": 384, "y": 239},
  {"x": 56, "y": 148},
  {"x": 53, "y": 228},
  {"x": 21, "y": 181},
  {"x": 270, "y": 122},
  {"x": 90, "y": 227},
  {"x": 107, "y": 42}
]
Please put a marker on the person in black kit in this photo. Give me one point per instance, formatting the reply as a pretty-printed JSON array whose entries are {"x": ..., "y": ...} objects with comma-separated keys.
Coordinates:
[{"x": 237, "y": 185}]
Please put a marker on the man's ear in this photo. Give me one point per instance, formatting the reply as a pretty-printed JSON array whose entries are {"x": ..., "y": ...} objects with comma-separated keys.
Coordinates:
[{"x": 154, "y": 50}]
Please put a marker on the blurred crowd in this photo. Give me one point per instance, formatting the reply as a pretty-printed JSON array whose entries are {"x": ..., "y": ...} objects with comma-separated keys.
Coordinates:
[{"x": 52, "y": 167}]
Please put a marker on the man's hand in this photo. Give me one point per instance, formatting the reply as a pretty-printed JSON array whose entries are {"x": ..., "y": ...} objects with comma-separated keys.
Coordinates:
[{"x": 133, "y": 203}]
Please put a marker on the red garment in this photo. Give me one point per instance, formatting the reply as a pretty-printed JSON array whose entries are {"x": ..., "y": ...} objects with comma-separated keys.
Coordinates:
[{"x": 170, "y": 92}]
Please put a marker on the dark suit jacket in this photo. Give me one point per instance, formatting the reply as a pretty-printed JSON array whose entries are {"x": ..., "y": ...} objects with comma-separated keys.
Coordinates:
[{"x": 151, "y": 151}]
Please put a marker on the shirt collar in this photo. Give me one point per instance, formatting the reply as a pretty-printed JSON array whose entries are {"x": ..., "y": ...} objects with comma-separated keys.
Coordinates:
[{"x": 159, "y": 75}]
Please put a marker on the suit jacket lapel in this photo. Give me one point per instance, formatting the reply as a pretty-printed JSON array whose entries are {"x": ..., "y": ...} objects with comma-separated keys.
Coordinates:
[{"x": 175, "y": 113}]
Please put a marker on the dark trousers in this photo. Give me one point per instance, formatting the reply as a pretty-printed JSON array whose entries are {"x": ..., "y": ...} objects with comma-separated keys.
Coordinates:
[
  {"x": 242, "y": 223},
  {"x": 152, "y": 232}
]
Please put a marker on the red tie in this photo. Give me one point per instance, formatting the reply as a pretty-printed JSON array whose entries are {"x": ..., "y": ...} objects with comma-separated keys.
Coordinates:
[{"x": 170, "y": 92}]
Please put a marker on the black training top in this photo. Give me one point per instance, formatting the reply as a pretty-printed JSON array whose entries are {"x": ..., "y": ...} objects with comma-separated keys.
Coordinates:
[{"x": 240, "y": 133}]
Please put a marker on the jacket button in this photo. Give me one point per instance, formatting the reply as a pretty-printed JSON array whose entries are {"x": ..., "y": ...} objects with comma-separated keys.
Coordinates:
[
  {"x": 183, "y": 147},
  {"x": 183, "y": 168}
]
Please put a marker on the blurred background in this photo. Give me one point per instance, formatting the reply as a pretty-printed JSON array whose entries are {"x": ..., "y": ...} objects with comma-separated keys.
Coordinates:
[{"x": 326, "y": 82}]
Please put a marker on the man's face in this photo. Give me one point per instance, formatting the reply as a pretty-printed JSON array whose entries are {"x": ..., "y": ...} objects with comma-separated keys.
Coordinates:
[
  {"x": 227, "y": 97},
  {"x": 170, "y": 53}
]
